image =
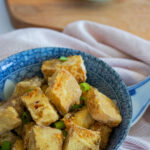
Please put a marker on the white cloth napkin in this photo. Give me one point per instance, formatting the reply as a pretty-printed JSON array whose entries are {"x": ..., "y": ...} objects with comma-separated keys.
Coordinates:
[{"x": 128, "y": 54}]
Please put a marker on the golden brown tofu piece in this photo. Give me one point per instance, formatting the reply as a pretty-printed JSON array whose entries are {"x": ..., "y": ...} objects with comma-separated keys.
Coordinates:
[
  {"x": 26, "y": 133},
  {"x": 74, "y": 64},
  {"x": 9, "y": 119},
  {"x": 82, "y": 118},
  {"x": 105, "y": 132},
  {"x": 63, "y": 91},
  {"x": 18, "y": 145},
  {"x": 42, "y": 112},
  {"x": 81, "y": 139},
  {"x": 102, "y": 108},
  {"x": 45, "y": 138},
  {"x": 17, "y": 104},
  {"x": 8, "y": 136},
  {"x": 14, "y": 102},
  {"x": 26, "y": 85}
]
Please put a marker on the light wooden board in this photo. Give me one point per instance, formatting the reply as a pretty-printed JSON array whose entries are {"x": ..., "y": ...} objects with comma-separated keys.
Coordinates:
[{"x": 130, "y": 15}]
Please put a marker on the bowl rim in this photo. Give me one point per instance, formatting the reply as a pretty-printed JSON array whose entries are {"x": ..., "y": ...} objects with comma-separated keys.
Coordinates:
[{"x": 33, "y": 50}]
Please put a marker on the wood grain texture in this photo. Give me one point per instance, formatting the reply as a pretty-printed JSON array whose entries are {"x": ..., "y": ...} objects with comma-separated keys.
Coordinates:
[{"x": 130, "y": 15}]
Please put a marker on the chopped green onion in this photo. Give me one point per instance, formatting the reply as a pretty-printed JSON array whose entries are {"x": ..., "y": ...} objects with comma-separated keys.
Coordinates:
[
  {"x": 83, "y": 100},
  {"x": 75, "y": 107},
  {"x": 59, "y": 125},
  {"x": 6, "y": 145},
  {"x": 64, "y": 132},
  {"x": 30, "y": 90},
  {"x": 84, "y": 87},
  {"x": 26, "y": 117},
  {"x": 63, "y": 58}
]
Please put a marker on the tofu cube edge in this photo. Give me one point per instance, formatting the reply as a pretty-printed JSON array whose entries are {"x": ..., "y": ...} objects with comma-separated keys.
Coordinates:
[
  {"x": 63, "y": 91},
  {"x": 42, "y": 112}
]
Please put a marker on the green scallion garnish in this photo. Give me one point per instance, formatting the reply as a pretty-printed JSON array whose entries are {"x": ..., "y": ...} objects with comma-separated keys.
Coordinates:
[
  {"x": 84, "y": 87},
  {"x": 26, "y": 117},
  {"x": 83, "y": 100},
  {"x": 30, "y": 90},
  {"x": 64, "y": 132},
  {"x": 76, "y": 107},
  {"x": 59, "y": 125},
  {"x": 6, "y": 145},
  {"x": 63, "y": 58}
]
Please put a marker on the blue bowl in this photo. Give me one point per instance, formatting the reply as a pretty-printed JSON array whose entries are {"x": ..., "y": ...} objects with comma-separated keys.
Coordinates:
[{"x": 28, "y": 63}]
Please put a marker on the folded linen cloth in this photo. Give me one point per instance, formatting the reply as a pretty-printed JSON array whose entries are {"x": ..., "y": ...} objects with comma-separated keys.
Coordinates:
[{"x": 126, "y": 53}]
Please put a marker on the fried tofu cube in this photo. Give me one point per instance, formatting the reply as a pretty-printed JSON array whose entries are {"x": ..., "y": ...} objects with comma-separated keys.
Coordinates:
[
  {"x": 45, "y": 138},
  {"x": 14, "y": 102},
  {"x": 17, "y": 104},
  {"x": 63, "y": 91},
  {"x": 26, "y": 133},
  {"x": 81, "y": 139},
  {"x": 21, "y": 88},
  {"x": 105, "y": 132},
  {"x": 9, "y": 119},
  {"x": 18, "y": 145},
  {"x": 102, "y": 108},
  {"x": 8, "y": 136},
  {"x": 73, "y": 64},
  {"x": 42, "y": 112},
  {"x": 26, "y": 85},
  {"x": 82, "y": 118}
]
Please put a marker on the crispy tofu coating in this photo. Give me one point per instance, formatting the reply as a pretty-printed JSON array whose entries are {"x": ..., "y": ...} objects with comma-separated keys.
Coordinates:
[
  {"x": 82, "y": 118},
  {"x": 14, "y": 102},
  {"x": 45, "y": 138},
  {"x": 9, "y": 119},
  {"x": 102, "y": 108},
  {"x": 42, "y": 112},
  {"x": 63, "y": 91},
  {"x": 79, "y": 138},
  {"x": 26, "y": 133},
  {"x": 21, "y": 88},
  {"x": 8, "y": 136},
  {"x": 18, "y": 145},
  {"x": 26, "y": 85},
  {"x": 105, "y": 132},
  {"x": 73, "y": 64},
  {"x": 17, "y": 104}
]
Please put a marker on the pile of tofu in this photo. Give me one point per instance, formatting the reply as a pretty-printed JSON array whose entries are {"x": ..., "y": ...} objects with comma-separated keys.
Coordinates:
[{"x": 51, "y": 99}]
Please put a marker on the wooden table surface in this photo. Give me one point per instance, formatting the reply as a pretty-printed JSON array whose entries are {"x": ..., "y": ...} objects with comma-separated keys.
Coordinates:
[{"x": 130, "y": 15}]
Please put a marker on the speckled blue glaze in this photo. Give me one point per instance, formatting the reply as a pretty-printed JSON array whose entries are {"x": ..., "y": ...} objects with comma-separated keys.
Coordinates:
[{"x": 99, "y": 74}]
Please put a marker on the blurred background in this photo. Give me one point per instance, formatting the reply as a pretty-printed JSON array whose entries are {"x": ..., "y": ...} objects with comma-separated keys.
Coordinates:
[
  {"x": 129, "y": 15},
  {"x": 5, "y": 24}
]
